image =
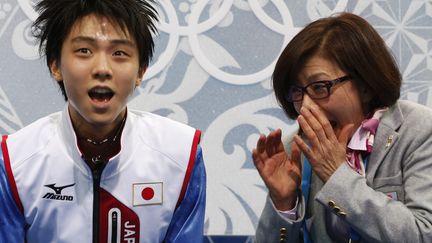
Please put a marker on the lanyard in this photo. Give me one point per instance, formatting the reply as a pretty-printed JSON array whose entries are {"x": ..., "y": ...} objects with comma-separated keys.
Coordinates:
[{"x": 305, "y": 185}]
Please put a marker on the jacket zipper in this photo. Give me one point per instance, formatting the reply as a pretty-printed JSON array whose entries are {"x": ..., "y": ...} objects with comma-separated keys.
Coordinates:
[{"x": 96, "y": 172}]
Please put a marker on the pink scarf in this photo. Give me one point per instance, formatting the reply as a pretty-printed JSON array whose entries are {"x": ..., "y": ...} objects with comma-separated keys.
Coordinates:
[{"x": 361, "y": 143}]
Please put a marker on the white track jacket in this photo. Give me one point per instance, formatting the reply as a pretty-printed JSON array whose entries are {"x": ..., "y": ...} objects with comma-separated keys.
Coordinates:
[{"x": 153, "y": 190}]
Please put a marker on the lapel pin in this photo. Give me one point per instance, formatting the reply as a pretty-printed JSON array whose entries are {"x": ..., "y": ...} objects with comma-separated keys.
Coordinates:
[{"x": 389, "y": 141}]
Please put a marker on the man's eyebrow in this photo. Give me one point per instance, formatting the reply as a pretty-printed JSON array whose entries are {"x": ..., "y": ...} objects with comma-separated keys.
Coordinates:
[
  {"x": 123, "y": 42},
  {"x": 93, "y": 41}
]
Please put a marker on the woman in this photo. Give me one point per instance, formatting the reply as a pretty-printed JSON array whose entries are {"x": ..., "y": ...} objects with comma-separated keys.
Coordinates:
[{"x": 359, "y": 169}]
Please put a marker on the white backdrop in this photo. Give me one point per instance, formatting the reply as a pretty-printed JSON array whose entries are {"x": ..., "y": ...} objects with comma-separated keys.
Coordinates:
[{"x": 212, "y": 70}]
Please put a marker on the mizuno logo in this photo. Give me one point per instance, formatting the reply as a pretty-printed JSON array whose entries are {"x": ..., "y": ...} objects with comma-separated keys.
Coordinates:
[
  {"x": 58, "y": 195},
  {"x": 58, "y": 189}
]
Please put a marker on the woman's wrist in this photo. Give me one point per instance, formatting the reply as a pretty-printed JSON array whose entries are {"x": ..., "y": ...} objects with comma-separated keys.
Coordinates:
[{"x": 284, "y": 204}]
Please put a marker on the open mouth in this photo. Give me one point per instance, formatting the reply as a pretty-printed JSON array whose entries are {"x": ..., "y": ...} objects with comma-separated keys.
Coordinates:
[{"x": 101, "y": 94}]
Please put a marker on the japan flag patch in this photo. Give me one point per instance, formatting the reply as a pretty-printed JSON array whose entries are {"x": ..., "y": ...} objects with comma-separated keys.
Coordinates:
[{"x": 147, "y": 194}]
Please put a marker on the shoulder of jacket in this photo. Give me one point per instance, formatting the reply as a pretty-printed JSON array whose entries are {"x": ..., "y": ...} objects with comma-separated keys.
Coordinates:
[{"x": 33, "y": 138}]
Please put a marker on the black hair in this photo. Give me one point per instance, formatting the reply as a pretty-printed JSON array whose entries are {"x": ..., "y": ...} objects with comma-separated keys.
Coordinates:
[{"x": 56, "y": 18}]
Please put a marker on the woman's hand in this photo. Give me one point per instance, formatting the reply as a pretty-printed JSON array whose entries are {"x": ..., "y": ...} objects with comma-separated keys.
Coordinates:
[
  {"x": 326, "y": 151},
  {"x": 281, "y": 173}
]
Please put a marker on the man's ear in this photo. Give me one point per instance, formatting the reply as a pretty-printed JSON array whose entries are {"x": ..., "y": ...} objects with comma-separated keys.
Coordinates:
[
  {"x": 140, "y": 77},
  {"x": 55, "y": 70}
]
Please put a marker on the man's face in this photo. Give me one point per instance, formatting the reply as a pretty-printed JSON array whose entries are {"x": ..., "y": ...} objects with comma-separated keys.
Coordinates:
[{"x": 99, "y": 66}]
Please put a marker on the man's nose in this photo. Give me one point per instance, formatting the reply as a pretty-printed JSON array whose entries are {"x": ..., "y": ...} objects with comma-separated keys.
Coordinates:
[{"x": 102, "y": 67}]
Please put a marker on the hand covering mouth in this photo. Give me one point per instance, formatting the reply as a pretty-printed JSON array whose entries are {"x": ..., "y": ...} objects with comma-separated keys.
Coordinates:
[
  {"x": 101, "y": 94},
  {"x": 333, "y": 124}
]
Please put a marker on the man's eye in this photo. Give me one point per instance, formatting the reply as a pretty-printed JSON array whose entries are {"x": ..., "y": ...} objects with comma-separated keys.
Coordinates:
[
  {"x": 120, "y": 53},
  {"x": 84, "y": 50}
]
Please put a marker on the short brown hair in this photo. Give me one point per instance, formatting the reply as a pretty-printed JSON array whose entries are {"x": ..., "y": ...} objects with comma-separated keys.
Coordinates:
[{"x": 350, "y": 42}]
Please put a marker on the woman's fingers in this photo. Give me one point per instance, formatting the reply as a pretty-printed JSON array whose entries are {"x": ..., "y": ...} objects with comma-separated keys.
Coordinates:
[
  {"x": 324, "y": 122},
  {"x": 260, "y": 147},
  {"x": 303, "y": 147},
  {"x": 266, "y": 147},
  {"x": 257, "y": 160},
  {"x": 295, "y": 155},
  {"x": 314, "y": 122},
  {"x": 258, "y": 153},
  {"x": 273, "y": 143},
  {"x": 281, "y": 173},
  {"x": 307, "y": 130}
]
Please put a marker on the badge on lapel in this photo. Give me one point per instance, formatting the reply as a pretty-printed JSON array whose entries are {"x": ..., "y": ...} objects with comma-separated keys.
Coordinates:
[
  {"x": 389, "y": 141},
  {"x": 392, "y": 195}
]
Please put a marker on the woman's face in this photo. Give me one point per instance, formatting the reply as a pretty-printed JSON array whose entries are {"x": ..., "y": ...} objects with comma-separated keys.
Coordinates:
[{"x": 343, "y": 106}]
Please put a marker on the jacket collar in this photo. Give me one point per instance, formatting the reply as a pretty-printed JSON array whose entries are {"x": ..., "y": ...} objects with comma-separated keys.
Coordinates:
[
  {"x": 386, "y": 136},
  {"x": 73, "y": 152}
]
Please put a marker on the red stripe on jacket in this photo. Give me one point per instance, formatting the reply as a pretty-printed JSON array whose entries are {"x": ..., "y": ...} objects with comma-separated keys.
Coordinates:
[
  {"x": 190, "y": 166},
  {"x": 9, "y": 173}
]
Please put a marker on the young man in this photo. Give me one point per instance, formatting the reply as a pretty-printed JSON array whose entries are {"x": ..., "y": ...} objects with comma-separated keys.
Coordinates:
[{"x": 98, "y": 172}]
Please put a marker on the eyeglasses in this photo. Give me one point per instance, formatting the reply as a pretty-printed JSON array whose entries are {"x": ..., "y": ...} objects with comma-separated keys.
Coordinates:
[{"x": 316, "y": 90}]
